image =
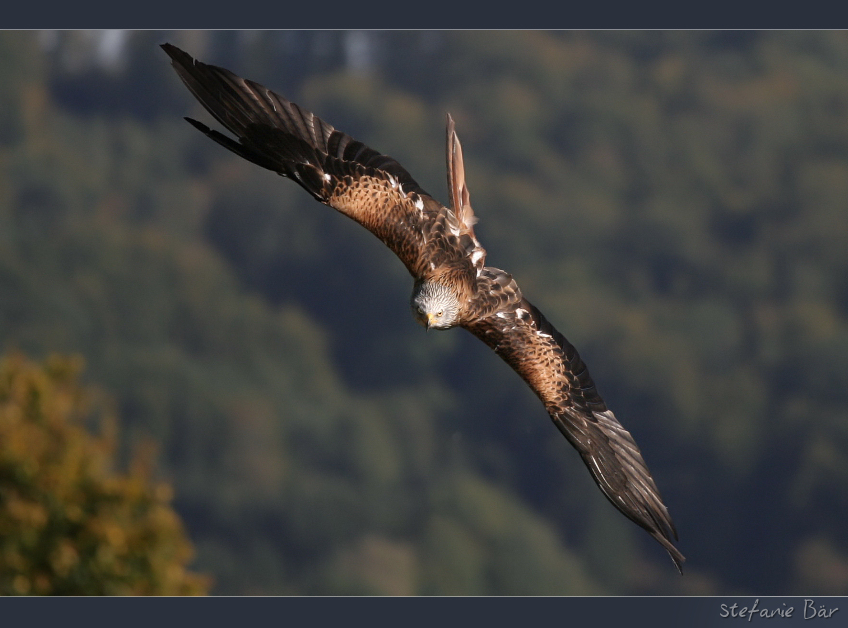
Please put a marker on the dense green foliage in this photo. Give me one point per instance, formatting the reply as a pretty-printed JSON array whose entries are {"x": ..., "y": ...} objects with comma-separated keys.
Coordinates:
[
  {"x": 69, "y": 524},
  {"x": 676, "y": 203}
]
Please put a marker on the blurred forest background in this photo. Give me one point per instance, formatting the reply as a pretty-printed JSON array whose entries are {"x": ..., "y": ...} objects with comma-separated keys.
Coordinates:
[{"x": 675, "y": 202}]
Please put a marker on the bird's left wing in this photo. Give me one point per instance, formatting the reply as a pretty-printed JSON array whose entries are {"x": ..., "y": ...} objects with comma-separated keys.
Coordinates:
[
  {"x": 520, "y": 334},
  {"x": 371, "y": 188}
]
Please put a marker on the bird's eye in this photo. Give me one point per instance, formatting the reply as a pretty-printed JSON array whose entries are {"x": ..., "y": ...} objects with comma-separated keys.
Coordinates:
[{"x": 439, "y": 313}]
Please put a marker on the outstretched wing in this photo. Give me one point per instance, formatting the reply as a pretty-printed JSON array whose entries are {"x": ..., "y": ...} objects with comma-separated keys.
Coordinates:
[
  {"x": 430, "y": 239},
  {"x": 371, "y": 188},
  {"x": 520, "y": 334}
]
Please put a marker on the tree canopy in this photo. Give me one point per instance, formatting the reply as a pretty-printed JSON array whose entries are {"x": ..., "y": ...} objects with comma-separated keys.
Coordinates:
[
  {"x": 70, "y": 523},
  {"x": 674, "y": 202}
]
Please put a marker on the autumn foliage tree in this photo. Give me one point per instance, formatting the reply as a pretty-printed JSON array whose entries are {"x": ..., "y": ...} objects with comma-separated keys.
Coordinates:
[{"x": 70, "y": 524}]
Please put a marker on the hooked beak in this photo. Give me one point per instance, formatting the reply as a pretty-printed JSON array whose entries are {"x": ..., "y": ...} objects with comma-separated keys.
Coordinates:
[{"x": 429, "y": 322}]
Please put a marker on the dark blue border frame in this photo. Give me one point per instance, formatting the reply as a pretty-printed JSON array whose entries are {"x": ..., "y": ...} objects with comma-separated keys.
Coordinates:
[
  {"x": 429, "y": 14},
  {"x": 699, "y": 612}
]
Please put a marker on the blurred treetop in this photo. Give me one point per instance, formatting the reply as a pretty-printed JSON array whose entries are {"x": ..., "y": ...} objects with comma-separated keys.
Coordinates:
[{"x": 70, "y": 522}]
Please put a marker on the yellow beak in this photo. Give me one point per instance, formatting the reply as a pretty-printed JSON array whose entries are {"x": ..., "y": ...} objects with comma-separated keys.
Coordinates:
[{"x": 430, "y": 318}]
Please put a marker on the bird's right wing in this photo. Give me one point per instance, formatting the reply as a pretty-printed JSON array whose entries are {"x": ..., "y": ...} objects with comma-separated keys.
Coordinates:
[{"x": 522, "y": 336}]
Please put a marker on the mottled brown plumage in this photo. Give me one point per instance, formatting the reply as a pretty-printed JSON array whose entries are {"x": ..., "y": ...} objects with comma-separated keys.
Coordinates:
[{"x": 452, "y": 286}]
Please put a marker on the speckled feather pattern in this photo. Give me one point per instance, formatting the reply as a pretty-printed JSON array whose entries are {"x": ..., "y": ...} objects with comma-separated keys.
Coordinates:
[
  {"x": 553, "y": 369},
  {"x": 436, "y": 244}
]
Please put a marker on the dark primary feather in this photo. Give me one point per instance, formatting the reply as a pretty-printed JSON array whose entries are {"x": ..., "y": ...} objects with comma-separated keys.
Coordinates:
[
  {"x": 541, "y": 355},
  {"x": 438, "y": 244},
  {"x": 260, "y": 119},
  {"x": 371, "y": 188}
]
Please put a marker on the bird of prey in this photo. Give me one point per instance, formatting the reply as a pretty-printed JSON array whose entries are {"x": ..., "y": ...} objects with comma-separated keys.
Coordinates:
[{"x": 452, "y": 285}]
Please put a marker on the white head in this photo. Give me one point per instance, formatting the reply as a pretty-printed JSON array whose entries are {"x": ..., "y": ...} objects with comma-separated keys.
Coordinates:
[{"x": 434, "y": 305}]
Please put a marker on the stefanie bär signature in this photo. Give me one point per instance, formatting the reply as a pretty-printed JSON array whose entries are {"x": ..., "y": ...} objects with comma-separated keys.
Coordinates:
[{"x": 810, "y": 610}]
